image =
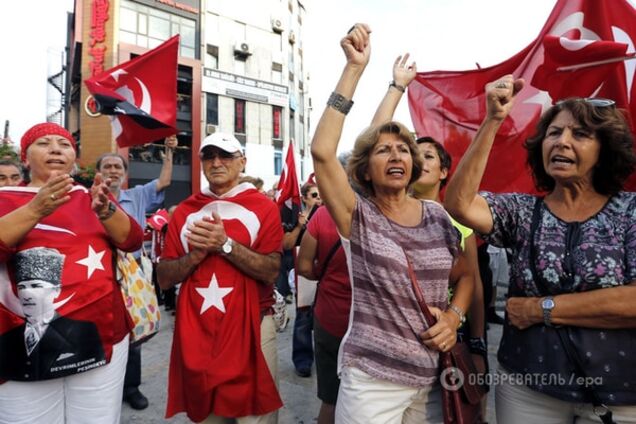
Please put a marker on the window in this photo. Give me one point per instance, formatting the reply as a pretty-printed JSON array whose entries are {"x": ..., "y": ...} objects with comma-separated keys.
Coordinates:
[
  {"x": 211, "y": 56},
  {"x": 211, "y": 109},
  {"x": 277, "y": 115},
  {"x": 278, "y": 161},
  {"x": 292, "y": 127},
  {"x": 148, "y": 27},
  {"x": 239, "y": 116}
]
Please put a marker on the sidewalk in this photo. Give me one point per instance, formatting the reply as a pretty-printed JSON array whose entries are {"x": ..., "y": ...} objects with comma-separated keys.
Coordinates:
[{"x": 299, "y": 394}]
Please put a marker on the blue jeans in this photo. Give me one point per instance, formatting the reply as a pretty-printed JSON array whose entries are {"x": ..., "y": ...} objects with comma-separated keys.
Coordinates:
[{"x": 302, "y": 342}]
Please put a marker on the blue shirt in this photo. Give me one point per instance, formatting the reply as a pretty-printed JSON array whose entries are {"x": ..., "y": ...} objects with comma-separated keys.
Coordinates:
[{"x": 140, "y": 199}]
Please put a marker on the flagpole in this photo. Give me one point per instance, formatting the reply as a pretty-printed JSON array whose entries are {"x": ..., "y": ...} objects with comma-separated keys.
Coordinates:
[{"x": 595, "y": 63}]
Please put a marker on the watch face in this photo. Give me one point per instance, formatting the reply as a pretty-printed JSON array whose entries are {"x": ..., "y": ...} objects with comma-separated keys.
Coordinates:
[
  {"x": 547, "y": 304},
  {"x": 227, "y": 246}
]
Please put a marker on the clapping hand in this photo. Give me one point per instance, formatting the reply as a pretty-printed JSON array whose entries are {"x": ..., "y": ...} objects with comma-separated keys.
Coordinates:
[
  {"x": 52, "y": 194},
  {"x": 99, "y": 194}
]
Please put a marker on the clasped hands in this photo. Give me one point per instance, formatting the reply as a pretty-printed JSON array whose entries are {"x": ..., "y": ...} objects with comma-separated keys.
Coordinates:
[{"x": 207, "y": 235}]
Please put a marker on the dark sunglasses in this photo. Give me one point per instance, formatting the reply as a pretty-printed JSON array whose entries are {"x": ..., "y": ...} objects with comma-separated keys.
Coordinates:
[
  {"x": 221, "y": 154},
  {"x": 592, "y": 101},
  {"x": 314, "y": 194}
]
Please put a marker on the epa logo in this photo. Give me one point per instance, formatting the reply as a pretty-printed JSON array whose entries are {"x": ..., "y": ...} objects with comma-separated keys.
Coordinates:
[{"x": 452, "y": 379}]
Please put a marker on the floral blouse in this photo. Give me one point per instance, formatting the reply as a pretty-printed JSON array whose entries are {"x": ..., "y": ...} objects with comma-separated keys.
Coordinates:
[{"x": 597, "y": 253}]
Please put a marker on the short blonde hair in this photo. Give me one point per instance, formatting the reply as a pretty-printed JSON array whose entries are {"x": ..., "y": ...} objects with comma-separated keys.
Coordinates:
[{"x": 358, "y": 165}]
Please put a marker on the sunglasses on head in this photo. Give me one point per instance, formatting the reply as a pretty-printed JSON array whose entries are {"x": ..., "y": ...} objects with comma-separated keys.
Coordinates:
[
  {"x": 221, "y": 154},
  {"x": 592, "y": 101}
]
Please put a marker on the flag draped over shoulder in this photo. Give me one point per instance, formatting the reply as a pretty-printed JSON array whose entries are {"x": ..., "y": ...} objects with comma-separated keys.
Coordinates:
[
  {"x": 450, "y": 105},
  {"x": 217, "y": 365},
  {"x": 140, "y": 95}
]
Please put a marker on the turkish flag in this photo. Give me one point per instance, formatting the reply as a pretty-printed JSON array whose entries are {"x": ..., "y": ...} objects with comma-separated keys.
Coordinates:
[
  {"x": 140, "y": 95},
  {"x": 288, "y": 192},
  {"x": 158, "y": 220},
  {"x": 217, "y": 365},
  {"x": 450, "y": 105},
  {"x": 578, "y": 78}
]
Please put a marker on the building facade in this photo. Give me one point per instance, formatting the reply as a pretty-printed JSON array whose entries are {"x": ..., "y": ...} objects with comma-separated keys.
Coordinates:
[{"x": 241, "y": 71}]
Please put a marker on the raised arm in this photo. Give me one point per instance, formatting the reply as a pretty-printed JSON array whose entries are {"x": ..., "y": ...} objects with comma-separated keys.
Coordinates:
[
  {"x": 461, "y": 199},
  {"x": 402, "y": 77},
  {"x": 330, "y": 177},
  {"x": 165, "y": 176}
]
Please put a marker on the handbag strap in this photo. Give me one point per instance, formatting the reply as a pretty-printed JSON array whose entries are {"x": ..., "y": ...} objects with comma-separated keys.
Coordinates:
[
  {"x": 600, "y": 409},
  {"x": 419, "y": 296}
]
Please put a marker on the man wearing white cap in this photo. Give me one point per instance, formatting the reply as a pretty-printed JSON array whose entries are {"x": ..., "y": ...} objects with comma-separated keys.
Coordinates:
[{"x": 224, "y": 244}]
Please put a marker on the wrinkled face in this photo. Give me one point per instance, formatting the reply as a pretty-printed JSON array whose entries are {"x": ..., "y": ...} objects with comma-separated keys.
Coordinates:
[
  {"x": 432, "y": 172},
  {"x": 37, "y": 298},
  {"x": 221, "y": 169},
  {"x": 569, "y": 150},
  {"x": 9, "y": 175},
  {"x": 113, "y": 167},
  {"x": 390, "y": 164},
  {"x": 49, "y": 153},
  {"x": 312, "y": 198}
]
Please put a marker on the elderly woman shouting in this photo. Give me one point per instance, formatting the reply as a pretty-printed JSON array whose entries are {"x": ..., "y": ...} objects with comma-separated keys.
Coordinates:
[
  {"x": 388, "y": 359},
  {"x": 63, "y": 324},
  {"x": 570, "y": 321}
]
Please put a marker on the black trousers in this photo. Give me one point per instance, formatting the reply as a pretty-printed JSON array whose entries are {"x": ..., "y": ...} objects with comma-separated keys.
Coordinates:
[{"x": 133, "y": 369}]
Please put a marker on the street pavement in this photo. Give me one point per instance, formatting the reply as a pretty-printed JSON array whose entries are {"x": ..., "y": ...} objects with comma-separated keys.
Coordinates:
[{"x": 298, "y": 394}]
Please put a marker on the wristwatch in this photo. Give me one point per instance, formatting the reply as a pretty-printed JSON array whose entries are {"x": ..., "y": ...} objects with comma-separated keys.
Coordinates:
[
  {"x": 397, "y": 86},
  {"x": 109, "y": 212},
  {"x": 547, "y": 304},
  {"x": 227, "y": 246}
]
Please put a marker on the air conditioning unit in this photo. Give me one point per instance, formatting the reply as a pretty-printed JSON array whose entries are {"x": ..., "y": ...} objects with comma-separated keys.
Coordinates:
[
  {"x": 277, "y": 25},
  {"x": 292, "y": 37},
  {"x": 242, "y": 49},
  {"x": 210, "y": 129}
]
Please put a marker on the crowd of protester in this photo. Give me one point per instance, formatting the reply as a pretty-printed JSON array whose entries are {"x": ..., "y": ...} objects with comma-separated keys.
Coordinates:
[{"x": 372, "y": 224}]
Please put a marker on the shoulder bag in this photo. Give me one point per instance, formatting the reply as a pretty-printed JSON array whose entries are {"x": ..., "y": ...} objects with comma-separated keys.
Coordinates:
[{"x": 461, "y": 397}]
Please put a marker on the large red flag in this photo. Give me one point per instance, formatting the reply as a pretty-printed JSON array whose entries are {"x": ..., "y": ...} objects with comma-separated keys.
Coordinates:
[
  {"x": 449, "y": 106},
  {"x": 288, "y": 192},
  {"x": 568, "y": 69},
  {"x": 141, "y": 95}
]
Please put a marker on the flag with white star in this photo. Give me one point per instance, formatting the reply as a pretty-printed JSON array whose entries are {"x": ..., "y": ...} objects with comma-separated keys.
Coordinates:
[
  {"x": 86, "y": 297},
  {"x": 217, "y": 365}
]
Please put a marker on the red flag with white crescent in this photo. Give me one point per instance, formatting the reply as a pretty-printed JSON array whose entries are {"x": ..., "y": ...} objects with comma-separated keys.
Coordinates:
[
  {"x": 217, "y": 365},
  {"x": 288, "y": 191},
  {"x": 140, "y": 95},
  {"x": 158, "y": 220},
  {"x": 450, "y": 105}
]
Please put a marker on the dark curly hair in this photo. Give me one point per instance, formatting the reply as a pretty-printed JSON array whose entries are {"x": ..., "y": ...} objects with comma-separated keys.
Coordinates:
[
  {"x": 616, "y": 160},
  {"x": 445, "y": 160},
  {"x": 358, "y": 164}
]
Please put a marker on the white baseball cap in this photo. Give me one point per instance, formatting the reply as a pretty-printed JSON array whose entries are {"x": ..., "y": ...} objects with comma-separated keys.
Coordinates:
[{"x": 223, "y": 141}]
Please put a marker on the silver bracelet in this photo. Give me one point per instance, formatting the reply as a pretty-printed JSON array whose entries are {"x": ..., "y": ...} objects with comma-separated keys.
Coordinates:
[{"x": 459, "y": 312}]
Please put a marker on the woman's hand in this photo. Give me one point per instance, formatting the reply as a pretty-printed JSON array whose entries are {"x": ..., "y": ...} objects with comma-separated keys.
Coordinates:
[
  {"x": 51, "y": 195},
  {"x": 524, "y": 312},
  {"x": 403, "y": 74},
  {"x": 356, "y": 45},
  {"x": 443, "y": 335},
  {"x": 500, "y": 95},
  {"x": 99, "y": 194}
]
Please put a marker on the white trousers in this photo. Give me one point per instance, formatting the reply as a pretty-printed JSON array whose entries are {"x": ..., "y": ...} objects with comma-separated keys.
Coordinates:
[
  {"x": 363, "y": 399},
  {"x": 520, "y": 404},
  {"x": 91, "y": 397}
]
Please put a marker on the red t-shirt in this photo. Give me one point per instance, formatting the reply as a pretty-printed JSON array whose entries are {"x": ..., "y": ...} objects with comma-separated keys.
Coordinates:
[{"x": 333, "y": 299}]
